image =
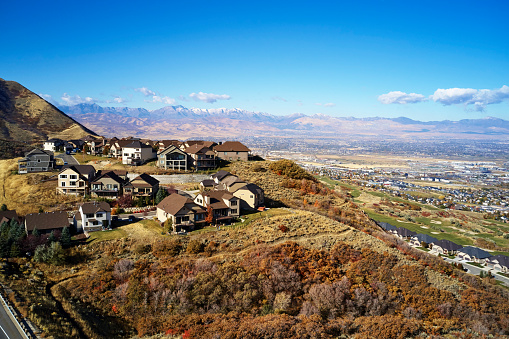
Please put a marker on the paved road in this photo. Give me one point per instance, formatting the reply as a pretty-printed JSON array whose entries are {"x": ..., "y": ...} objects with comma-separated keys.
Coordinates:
[
  {"x": 8, "y": 330},
  {"x": 476, "y": 270},
  {"x": 68, "y": 158}
]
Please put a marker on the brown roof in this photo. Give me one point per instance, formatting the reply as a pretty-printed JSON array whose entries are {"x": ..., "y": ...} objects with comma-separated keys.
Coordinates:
[
  {"x": 230, "y": 180},
  {"x": 136, "y": 144},
  {"x": 232, "y": 146},
  {"x": 122, "y": 142},
  {"x": 198, "y": 148},
  {"x": 109, "y": 174},
  {"x": 151, "y": 181},
  {"x": 220, "y": 175},
  {"x": 167, "y": 143},
  {"x": 81, "y": 169},
  {"x": 9, "y": 215},
  {"x": 96, "y": 206},
  {"x": 174, "y": 203},
  {"x": 46, "y": 221},
  {"x": 216, "y": 199}
]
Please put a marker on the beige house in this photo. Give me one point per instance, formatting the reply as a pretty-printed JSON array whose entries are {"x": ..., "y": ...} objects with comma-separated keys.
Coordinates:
[
  {"x": 107, "y": 185},
  {"x": 75, "y": 179},
  {"x": 232, "y": 151},
  {"x": 143, "y": 185},
  {"x": 172, "y": 158},
  {"x": 225, "y": 206},
  {"x": 163, "y": 144},
  {"x": 251, "y": 196},
  {"x": 182, "y": 211}
]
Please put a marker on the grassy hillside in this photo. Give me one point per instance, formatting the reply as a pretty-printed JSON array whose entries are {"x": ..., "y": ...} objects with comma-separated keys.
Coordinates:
[{"x": 315, "y": 267}]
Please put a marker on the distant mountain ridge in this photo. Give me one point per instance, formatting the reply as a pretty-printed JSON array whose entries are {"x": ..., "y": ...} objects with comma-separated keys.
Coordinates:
[{"x": 181, "y": 122}]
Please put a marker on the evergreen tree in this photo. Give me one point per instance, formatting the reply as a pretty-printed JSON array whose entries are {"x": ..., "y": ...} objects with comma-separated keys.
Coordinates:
[
  {"x": 36, "y": 233},
  {"x": 65, "y": 238},
  {"x": 161, "y": 194},
  {"x": 52, "y": 237},
  {"x": 3, "y": 207},
  {"x": 15, "y": 251}
]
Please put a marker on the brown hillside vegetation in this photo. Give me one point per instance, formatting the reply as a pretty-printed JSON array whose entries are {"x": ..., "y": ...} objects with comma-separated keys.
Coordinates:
[
  {"x": 308, "y": 272},
  {"x": 24, "y": 116},
  {"x": 28, "y": 192}
]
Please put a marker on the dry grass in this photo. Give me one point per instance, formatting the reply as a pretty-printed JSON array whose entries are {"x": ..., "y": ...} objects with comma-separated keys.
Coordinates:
[{"x": 26, "y": 193}]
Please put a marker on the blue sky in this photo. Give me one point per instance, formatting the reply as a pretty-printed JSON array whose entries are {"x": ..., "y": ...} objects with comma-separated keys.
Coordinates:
[{"x": 423, "y": 60}]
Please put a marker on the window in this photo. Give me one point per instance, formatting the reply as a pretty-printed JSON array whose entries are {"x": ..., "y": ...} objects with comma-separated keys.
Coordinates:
[
  {"x": 234, "y": 203},
  {"x": 72, "y": 183},
  {"x": 63, "y": 176},
  {"x": 62, "y": 184},
  {"x": 162, "y": 161},
  {"x": 98, "y": 215},
  {"x": 90, "y": 215},
  {"x": 126, "y": 154},
  {"x": 233, "y": 211},
  {"x": 73, "y": 176},
  {"x": 225, "y": 153}
]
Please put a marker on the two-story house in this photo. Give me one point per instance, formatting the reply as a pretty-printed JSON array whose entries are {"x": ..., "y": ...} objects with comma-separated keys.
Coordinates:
[
  {"x": 225, "y": 206},
  {"x": 232, "y": 151},
  {"x": 137, "y": 153},
  {"x": 75, "y": 179},
  {"x": 107, "y": 185},
  {"x": 172, "y": 158},
  {"x": 45, "y": 223},
  {"x": 251, "y": 195},
  {"x": 117, "y": 146},
  {"x": 93, "y": 216},
  {"x": 36, "y": 161},
  {"x": 202, "y": 158},
  {"x": 53, "y": 145},
  {"x": 143, "y": 185},
  {"x": 182, "y": 211}
]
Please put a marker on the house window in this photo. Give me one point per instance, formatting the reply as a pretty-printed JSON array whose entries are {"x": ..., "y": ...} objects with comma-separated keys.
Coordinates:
[
  {"x": 90, "y": 215},
  {"x": 63, "y": 176},
  {"x": 62, "y": 184},
  {"x": 233, "y": 211},
  {"x": 72, "y": 183},
  {"x": 234, "y": 203},
  {"x": 73, "y": 176},
  {"x": 98, "y": 215},
  {"x": 126, "y": 154}
]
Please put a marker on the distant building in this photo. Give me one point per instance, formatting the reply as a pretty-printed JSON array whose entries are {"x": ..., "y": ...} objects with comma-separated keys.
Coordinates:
[
  {"x": 143, "y": 185},
  {"x": 53, "y": 145},
  {"x": 202, "y": 157},
  {"x": 36, "y": 161}
]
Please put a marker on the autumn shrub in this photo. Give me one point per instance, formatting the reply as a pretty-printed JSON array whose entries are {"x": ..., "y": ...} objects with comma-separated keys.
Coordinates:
[
  {"x": 195, "y": 246},
  {"x": 290, "y": 169},
  {"x": 164, "y": 247},
  {"x": 283, "y": 228}
]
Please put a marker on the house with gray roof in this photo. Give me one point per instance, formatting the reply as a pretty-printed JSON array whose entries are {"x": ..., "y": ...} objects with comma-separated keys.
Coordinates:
[
  {"x": 172, "y": 158},
  {"x": 498, "y": 262},
  {"x": 419, "y": 240},
  {"x": 36, "y": 161},
  {"x": 93, "y": 216},
  {"x": 470, "y": 253},
  {"x": 444, "y": 247}
]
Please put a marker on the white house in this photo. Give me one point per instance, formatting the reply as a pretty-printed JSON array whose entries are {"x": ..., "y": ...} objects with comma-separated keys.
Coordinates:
[
  {"x": 137, "y": 153},
  {"x": 93, "y": 216}
]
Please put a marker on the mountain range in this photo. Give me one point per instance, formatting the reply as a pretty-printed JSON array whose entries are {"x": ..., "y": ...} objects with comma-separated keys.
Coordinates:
[{"x": 181, "y": 122}]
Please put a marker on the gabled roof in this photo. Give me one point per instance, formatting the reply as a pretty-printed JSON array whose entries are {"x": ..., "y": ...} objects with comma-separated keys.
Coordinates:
[
  {"x": 171, "y": 149},
  {"x": 253, "y": 188},
  {"x": 122, "y": 143},
  {"x": 81, "y": 169},
  {"x": 167, "y": 143},
  {"x": 475, "y": 252},
  {"x": 174, "y": 203},
  {"x": 220, "y": 175},
  {"x": 231, "y": 146},
  {"x": 96, "y": 206},
  {"x": 448, "y": 245},
  {"x": 136, "y": 144},
  {"x": 216, "y": 199},
  {"x": 145, "y": 177},
  {"x": 503, "y": 260},
  {"x": 207, "y": 183},
  {"x": 46, "y": 221},
  {"x": 37, "y": 151},
  {"x": 230, "y": 180},
  {"x": 9, "y": 215},
  {"x": 426, "y": 238},
  {"x": 198, "y": 148},
  {"x": 110, "y": 174}
]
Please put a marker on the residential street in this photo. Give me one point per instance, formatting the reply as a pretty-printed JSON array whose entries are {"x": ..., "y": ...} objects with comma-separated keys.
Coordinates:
[
  {"x": 476, "y": 270},
  {"x": 68, "y": 158}
]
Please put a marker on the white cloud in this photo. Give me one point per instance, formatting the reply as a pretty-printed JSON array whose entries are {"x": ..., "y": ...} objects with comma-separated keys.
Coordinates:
[
  {"x": 329, "y": 104},
  {"x": 209, "y": 97},
  {"x": 48, "y": 98},
  {"x": 145, "y": 91},
  {"x": 165, "y": 100},
  {"x": 76, "y": 99},
  {"x": 398, "y": 97},
  {"x": 469, "y": 96},
  {"x": 119, "y": 100}
]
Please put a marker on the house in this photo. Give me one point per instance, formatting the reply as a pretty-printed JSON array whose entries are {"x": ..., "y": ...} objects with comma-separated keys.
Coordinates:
[
  {"x": 202, "y": 157},
  {"x": 250, "y": 195},
  {"x": 172, "y": 158},
  {"x": 189, "y": 143},
  {"x": 8, "y": 215},
  {"x": 75, "y": 145},
  {"x": 117, "y": 146},
  {"x": 444, "y": 247},
  {"x": 53, "y": 145},
  {"x": 232, "y": 151},
  {"x": 36, "y": 161},
  {"x": 93, "y": 216},
  {"x": 75, "y": 179},
  {"x": 45, "y": 223},
  {"x": 404, "y": 233},
  {"x": 219, "y": 176},
  {"x": 95, "y": 145},
  {"x": 207, "y": 184},
  {"x": 498, "y": 262},
  {"x": 137, "y": 153},
  {"x": 107, "y": 185},
  {"x": 225, "y": 206},
  {"x": 422, "y": 240},
  {"x": 143, "y": 185},
  {"x": 470, "y": 253},
  {"x": 163, "y": 144},
  {"x": 182, "y": 211}
]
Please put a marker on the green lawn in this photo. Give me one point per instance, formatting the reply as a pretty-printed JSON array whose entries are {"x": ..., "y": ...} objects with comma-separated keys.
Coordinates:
[
  {"x": 416, "y": 228},
  {"x": 99, "y": 236}
]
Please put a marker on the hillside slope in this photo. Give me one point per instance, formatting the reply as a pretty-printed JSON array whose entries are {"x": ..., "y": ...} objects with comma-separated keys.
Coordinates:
[{"x": 24, "y": 116}]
